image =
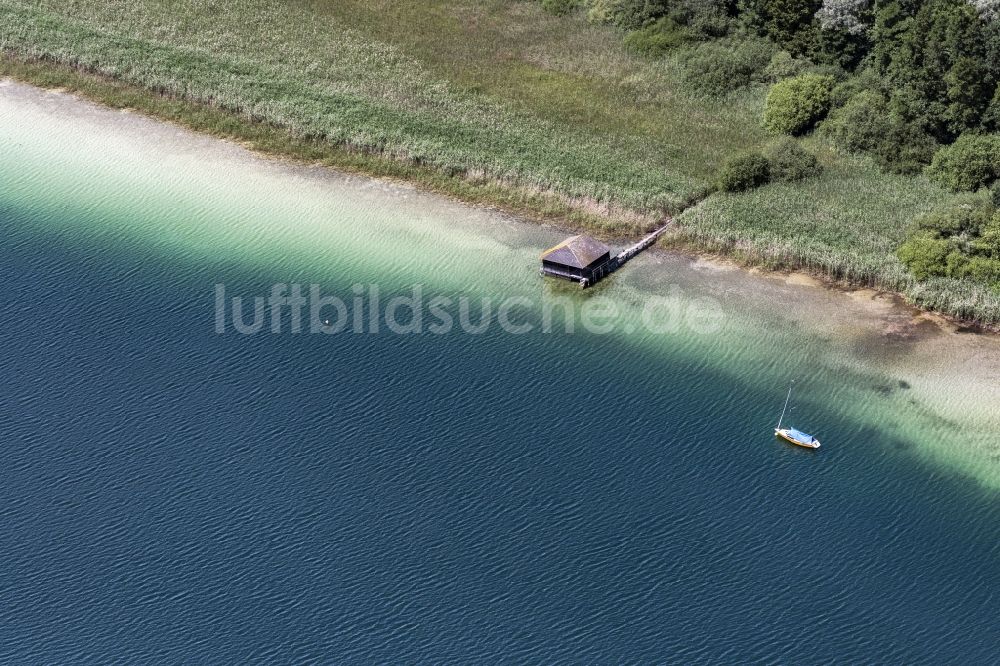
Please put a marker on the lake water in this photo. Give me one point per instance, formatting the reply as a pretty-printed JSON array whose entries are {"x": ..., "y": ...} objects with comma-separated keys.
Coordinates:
[{"x": 171, "y": 493}]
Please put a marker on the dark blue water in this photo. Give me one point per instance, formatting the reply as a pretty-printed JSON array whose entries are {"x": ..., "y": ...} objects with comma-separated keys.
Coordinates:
[{"x": 168, "y": 494}]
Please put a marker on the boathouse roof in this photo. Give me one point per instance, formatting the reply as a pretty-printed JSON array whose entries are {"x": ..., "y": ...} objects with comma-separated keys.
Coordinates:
[{"x": 576, "y": 251}]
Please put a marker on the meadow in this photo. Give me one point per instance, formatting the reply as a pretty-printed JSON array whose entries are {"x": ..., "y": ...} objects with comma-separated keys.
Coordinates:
[{"x": 495, "y": 102}]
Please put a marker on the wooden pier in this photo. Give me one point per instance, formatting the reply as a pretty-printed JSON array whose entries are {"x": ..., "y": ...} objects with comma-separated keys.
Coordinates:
[
  {"x": 630, "y": 252},
  {"x": 619, "y": 259}
]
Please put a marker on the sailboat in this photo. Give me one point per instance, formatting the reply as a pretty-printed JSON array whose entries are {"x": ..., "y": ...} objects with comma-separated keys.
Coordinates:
[{"x": 792, "y": 435}]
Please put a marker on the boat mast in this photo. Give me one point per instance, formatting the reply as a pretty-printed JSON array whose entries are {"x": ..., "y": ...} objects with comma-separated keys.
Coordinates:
[{"x": 785, "y": 407}]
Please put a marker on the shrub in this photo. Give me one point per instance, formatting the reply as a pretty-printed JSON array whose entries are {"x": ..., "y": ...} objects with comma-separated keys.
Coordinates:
[
  {"x": 783, "y": 66},
  {"x": 995, "y": 194},
  {"x": 968, "y": 164},
  {"x": 955, "y": 263},
  {"x": 860, "y": 124},
  {"x": 906, "y": 148},
  {"x": 960, "y": 242},
  {"x": 744, "y": 172},
  {"x": 966, "y": 218},
  {"x": 866, "y": 80},
  {"x": 835, "y": 72},
  {"x": 988, "y": 242},
  {"x": 703, "y": 19},
  {"x": 626, "y": 14},
  {"x": 789, "y": 161},
  {"x": 727, "y": 64},
  {"x": 706, "y": 20},
  {"x": 925, "y": 256},
  {"x": 560, "y": 7},
  {"x": 866, "y": 123},
  {"x": 982, "y": 269},
  {"x": 794, "y": 105},
  {"x": 657, "y": 38}
]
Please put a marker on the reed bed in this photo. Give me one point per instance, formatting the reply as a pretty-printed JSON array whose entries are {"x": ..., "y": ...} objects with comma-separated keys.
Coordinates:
[
  {"x": 332, "y": 83},
  {"x": 844, "y": 225}
]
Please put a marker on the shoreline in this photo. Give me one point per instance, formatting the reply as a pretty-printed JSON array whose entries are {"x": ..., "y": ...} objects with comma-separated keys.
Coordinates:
[
  {"x": 806, "y": 278},
  {"x": 536, "y": 206},
  {"x": 952, "y": 376}
]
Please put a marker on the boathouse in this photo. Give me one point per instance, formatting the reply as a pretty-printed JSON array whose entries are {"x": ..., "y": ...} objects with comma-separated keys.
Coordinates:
[{"x": 579, "y": 258}]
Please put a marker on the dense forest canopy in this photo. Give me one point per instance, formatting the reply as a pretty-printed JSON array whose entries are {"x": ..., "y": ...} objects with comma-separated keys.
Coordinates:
[{"x": 913, "y": 83}]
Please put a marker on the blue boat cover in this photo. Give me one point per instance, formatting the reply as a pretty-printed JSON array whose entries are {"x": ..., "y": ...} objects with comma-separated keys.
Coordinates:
[{"x": 801, "y": 436}]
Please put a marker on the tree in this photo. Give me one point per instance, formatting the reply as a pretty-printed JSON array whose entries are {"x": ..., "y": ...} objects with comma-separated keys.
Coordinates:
[
  {"x": 851, "y": 16},
  {"x": 970, "y": 90},
  {"x": 790, "y": 23},
  {"x": 988, "y": 10},
  {"x": 937, "y": 52},
  {"x": 843, "y": 35}
]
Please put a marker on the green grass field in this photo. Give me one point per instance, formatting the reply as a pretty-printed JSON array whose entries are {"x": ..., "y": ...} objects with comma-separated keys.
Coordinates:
[
  {"x": 492, "y": 101},
  {"x": 312, "y": 71}
]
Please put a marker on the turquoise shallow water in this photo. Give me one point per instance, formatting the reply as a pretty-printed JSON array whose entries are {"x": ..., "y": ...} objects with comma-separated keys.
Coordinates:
[{"x": 171, "y": 494}]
